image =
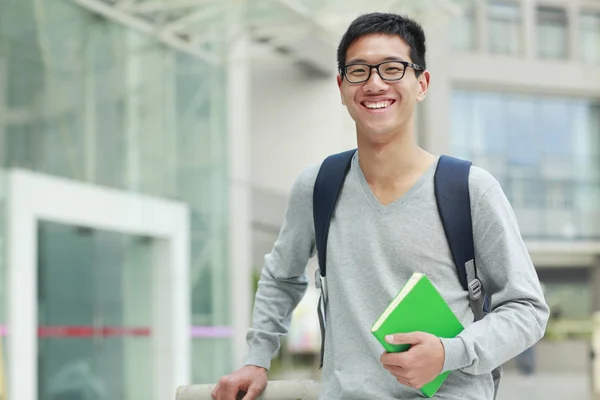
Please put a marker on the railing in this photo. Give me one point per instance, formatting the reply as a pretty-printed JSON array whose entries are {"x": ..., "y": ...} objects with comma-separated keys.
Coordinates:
[{"x": 276, "y": 390}]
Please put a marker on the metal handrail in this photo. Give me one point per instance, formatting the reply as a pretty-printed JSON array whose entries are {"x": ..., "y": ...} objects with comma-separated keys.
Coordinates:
[{"x": 276, "y": 390}]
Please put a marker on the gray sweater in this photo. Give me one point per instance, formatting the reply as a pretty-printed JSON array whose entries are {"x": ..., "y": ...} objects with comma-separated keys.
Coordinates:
[{"x": 372, "y": 251}]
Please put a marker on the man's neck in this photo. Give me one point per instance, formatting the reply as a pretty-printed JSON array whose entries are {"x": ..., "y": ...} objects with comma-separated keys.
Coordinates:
[{"x": 388, "y": 164}]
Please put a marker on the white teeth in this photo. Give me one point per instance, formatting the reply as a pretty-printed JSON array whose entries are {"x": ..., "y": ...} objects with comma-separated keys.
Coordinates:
[{"x": 379, "y": 104}]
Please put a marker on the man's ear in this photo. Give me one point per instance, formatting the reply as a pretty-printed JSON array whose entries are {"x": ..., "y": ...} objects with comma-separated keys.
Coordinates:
[
  {"x": 423, "y": 83},
  {"x": 339, "y": 83}
]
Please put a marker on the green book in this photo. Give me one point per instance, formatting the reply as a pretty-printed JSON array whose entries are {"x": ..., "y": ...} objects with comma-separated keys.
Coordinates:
[{"x": 418, "y": 307}]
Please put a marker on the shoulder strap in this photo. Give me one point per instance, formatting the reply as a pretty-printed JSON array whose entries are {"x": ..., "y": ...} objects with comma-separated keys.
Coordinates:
[
  {"x": 326, "y": 191},
  {"x": 454, "y": 205},
  {"x": 327, "y": 188}
]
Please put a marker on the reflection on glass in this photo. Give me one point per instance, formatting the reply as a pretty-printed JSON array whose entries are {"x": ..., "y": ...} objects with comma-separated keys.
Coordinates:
[
  {"x": 91, "y": 100},
  {"x": 504, "y": 21},
  {"x": 552, "y": 32},
  {"x": 95, "y": 314},
  {"x": 212, "y": 356},
  {"x": 545, "y": 151},
  {"x": 590, "y": 36},
  {"x": 463, "y": 30}
]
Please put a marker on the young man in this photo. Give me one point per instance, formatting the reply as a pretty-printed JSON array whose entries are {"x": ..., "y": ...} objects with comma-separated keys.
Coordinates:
[{"x": 386, "y": 226}]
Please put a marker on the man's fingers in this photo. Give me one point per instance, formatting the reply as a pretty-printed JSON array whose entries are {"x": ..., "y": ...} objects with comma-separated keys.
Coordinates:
[
  {"x": 215, "y": 391},
  {"x": 230, "y": 389},
  {"x": 404, "y": 376},
  {"x": 253, "y": 393},
  {"x": 402, "y": 373},
  {"x": 408, "y": 382},
  {"x": 396, "y": 359},
  {"x": 397, "y": 371},
  {"x": 403, "y": 381},
  {"x": 405, "y": 338}
]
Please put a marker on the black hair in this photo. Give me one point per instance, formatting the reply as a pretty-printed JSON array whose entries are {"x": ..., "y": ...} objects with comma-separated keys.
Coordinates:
[{"x": 387, "y": 24}]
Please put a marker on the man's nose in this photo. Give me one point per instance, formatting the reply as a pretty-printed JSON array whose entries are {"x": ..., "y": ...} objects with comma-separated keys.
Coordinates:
[{"x": 375, "y": 83}]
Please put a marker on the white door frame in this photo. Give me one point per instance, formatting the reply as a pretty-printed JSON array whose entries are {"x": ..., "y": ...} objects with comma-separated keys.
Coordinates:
[{"x": 31, "y": 197}]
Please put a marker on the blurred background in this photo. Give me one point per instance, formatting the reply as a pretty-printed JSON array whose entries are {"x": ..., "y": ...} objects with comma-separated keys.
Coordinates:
[{"x": 147, "y": 148}]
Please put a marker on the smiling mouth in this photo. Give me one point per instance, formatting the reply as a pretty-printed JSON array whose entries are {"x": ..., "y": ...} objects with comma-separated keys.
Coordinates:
[{"x": 377, "y": 105}]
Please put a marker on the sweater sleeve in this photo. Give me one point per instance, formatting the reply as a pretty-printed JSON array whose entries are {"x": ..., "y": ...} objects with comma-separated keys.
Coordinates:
[
  {"x": 283, "y": 280},
  {"x": 519, "y": 311}
]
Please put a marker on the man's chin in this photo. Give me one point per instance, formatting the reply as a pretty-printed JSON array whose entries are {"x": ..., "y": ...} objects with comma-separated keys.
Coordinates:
[
  {"x": 378, "y": 132},
  {"x": 376, "y": 137}
]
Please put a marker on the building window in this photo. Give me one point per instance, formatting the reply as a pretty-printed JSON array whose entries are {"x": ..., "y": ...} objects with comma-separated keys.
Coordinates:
[
  {"x": 504, "y": 19},
  {"x": 463, "y": 31},
  {"x": 545, "y": 152},
  {"x": 590, "y": 37},
  {"x": 551, "y": 32}
]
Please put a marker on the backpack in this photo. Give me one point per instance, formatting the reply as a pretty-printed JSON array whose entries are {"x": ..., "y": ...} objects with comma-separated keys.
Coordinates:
[{"x": 451, "y": 184}]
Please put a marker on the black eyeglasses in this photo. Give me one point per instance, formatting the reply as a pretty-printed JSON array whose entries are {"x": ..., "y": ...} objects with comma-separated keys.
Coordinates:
[{"x": 387, "y": 70}]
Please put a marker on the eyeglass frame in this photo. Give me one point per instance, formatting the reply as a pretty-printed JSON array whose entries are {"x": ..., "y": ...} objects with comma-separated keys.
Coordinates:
[{"x": 406, "y": 64}]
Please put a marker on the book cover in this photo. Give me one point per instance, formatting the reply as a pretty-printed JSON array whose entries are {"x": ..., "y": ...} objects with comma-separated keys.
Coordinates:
[{"x": 418, "y": 307}]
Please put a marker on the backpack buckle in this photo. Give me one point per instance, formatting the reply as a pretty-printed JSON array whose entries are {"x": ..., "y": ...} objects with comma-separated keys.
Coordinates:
[
  {"x": 474, "y": 288},
  {"x": 318, "y": 281}
]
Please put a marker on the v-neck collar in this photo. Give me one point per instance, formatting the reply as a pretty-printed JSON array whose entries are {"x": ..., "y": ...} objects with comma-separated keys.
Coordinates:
[{"x": 399, "y": 202}]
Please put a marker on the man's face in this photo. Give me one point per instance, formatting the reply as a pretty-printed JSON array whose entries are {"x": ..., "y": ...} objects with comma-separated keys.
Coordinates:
[{"x": 381, "y": 108}]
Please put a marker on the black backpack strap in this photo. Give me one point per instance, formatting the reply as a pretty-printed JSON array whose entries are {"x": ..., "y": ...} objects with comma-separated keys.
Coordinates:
[
  {"x": 454, "y": 205},
  {"x": 327, "y": 188},
  {"x": 328, "y": 185}
]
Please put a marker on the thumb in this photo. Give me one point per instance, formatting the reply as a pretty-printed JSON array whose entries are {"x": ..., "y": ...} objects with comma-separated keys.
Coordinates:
[
  {"x": 253, "y": 392},
  {"x": 404, "y": 338}
]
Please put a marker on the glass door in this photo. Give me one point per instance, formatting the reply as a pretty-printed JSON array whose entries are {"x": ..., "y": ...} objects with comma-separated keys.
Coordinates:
[
  {"x": 94, "y": 314},
  {"x": 98, "y": 299}
]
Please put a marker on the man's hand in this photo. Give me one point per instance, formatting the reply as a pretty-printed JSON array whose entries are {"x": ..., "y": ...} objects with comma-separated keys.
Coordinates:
[
  {"x": 420, "y": 364},
  {"x": 249, "y": 379}
]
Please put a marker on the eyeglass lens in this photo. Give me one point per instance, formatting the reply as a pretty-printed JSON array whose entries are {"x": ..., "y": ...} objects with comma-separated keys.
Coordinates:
[{"x": 390, "y": 71}]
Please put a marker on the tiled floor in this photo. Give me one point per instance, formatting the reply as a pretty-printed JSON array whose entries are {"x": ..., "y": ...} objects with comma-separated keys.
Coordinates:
[{"x": 546, "y": 386}]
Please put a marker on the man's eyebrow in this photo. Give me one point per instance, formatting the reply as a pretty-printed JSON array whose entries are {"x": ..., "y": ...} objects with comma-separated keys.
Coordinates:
[{"x": 362, "y": 61}]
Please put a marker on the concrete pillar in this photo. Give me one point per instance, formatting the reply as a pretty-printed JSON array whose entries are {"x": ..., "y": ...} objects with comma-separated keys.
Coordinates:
[
  {"x": 435, "y": 123},
  {"x": 573, "y": 31},
  {"x": 240, "y": 218},
  {"x": 481, "y": 26},
  {"x": 528, "y": 27}
]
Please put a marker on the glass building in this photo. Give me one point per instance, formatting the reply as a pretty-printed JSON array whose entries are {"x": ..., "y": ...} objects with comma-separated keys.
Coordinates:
[
  {"x": 523, "y": 103},
  {"x": 545, "y": 151},
  {"x": 114, "y": 182}
]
